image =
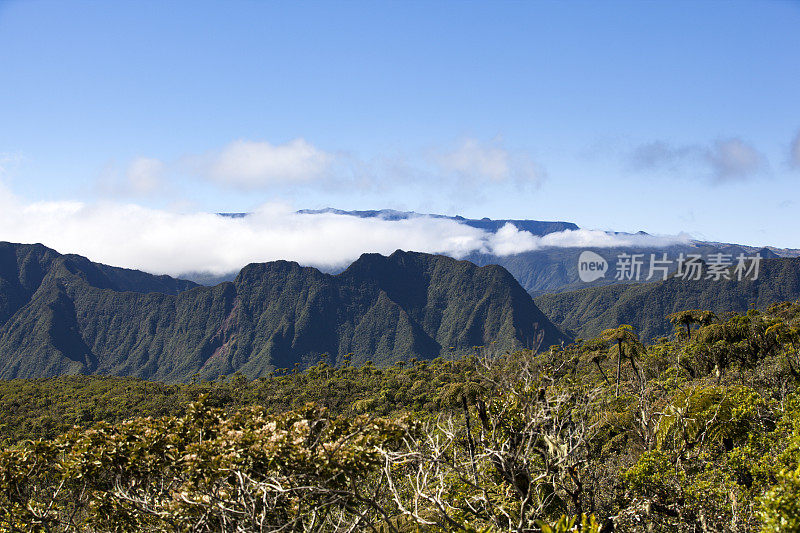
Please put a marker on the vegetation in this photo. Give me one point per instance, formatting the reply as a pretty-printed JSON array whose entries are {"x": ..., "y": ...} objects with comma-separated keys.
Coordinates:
[
  {"x": 67, "y": 315},
  {"x": 587, "y": 312},
  {"x": 702, "y": 433},
  {"x": 47, "y": 407}
]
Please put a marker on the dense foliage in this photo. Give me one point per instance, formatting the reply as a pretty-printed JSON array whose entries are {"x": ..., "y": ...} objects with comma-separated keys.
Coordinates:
[
  {"x": 45, "y": 408},
  {"x": 699, "y": 431}
]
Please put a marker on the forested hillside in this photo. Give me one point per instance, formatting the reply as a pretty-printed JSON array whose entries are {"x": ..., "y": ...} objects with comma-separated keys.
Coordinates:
[
  {"x": 67, "y": 315},
  {"x": 24, "y": 267},
  {"x": 585, "y": 313}
]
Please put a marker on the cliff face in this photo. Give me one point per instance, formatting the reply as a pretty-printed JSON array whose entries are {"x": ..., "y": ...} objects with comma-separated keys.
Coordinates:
[{"x": 65, "y": 314}]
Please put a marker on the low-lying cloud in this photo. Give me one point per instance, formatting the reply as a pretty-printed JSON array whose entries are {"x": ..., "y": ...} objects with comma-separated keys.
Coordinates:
[
  {"x": 510, "y": 240},
  {"x": 164, "y": 242}
]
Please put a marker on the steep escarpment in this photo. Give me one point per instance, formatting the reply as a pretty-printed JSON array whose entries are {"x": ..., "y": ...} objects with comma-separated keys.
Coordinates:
[{"x": 81, "y": 317}]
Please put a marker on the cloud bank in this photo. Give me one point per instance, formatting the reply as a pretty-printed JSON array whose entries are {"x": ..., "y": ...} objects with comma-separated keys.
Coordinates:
[
  {"x": 163, "y": 242},
  {"x": 509, "y": 240}
]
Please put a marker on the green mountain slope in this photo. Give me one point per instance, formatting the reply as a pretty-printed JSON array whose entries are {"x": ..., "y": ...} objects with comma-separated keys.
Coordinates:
[
  {"x": 23, "y": 268},
  {"x": 587, "y": 312},
  {"x": 83, "y": 318}
]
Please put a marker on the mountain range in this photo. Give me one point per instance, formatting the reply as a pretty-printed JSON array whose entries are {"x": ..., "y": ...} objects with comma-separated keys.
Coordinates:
[
  {"x": 549, "y": 269},
  {"x": 582, "y": 309},
  {"x": 63, "y": 314},
  {"x": 536, "y": 227}
]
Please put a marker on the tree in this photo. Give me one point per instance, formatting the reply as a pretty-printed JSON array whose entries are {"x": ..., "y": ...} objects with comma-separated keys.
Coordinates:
[
  {"x": 204, "y": 471},
  {"x": 623, "y": 337},
  {"x": 693, "y": 316},
  {"x": 784, "y": 334},
  {"x": 530, "y": 460},
  {"x": 596, "y": 349}
]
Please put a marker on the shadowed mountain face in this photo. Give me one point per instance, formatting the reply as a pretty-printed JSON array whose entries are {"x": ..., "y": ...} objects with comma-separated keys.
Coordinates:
[
  {"x": 65, "y": 314},
  {"x": 587, "y": 312},
  {"x": 23, "y": 268}
]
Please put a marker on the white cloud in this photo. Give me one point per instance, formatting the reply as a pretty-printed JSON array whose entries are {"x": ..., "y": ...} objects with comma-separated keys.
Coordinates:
[
  {"x": 160, "y": 241},
  {"x": 510, "y": 240},
  {"x": 477, "y": 162},
  {"x": 733, "y": 159},
  {"x": 8, "y": 160},
  {"x": 144, "y": 175},
  {"x": 165, "y": 242},
  {"x": 252, "y": 165},
  {"x": 723, "y": 161},
  {"x": 794, "y": 152},
  {"x": 470, "y": 168},
  {"x": 660, "y": 155},
  {"x": 472, "y": 159}
]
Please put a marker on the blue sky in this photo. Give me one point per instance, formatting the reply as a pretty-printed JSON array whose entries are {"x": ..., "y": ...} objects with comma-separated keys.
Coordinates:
[{"x": 666, "y": 117}]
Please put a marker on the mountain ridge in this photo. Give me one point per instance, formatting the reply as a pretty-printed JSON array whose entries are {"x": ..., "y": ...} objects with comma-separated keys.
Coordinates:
[
  {"x": 536, "y": 227},
  {"x": 588, "y": 311},
  {"x": 549, "y": 269},
  {"x": 273, "y": 315}
]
